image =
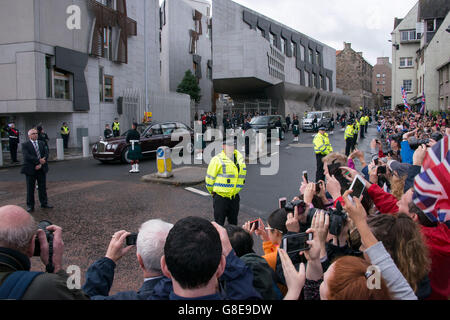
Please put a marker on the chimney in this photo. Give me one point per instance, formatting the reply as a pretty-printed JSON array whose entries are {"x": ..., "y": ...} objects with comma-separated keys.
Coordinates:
[{"x": 347, "y": 46}]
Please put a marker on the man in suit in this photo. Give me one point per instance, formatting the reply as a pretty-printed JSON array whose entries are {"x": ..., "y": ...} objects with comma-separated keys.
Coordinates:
[{"x": 35, "y": 168}]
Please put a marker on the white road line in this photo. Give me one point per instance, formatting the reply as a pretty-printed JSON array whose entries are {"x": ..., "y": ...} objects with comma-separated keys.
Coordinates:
[{"x": 198, "y": 192}]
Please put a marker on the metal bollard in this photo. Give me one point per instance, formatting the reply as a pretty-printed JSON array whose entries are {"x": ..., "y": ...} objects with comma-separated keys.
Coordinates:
[
  {"x": 59, "y": 149},
  {"x": 86, "y": 151},
  {"x": 164, "y": 162},
  {"x": 1, "y": 153}
]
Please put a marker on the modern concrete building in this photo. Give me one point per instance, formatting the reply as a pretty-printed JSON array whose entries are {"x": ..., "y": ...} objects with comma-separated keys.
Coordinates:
[
  {"x": 420, "y": 54},
  {"x": 266, "y": 66},
  {"x": 52, "y": 72},
  {"x": 354, "y": 77},
  {"x": 382, "y": 80},
  {"x": 186, "y": 45}
]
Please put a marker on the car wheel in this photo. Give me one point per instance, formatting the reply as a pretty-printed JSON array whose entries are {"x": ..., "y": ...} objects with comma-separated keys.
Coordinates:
[{"x": 124, "y": 157}]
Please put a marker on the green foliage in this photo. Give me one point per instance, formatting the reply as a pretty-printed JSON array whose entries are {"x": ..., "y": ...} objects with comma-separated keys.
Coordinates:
[{"x": 189, "y": 85}]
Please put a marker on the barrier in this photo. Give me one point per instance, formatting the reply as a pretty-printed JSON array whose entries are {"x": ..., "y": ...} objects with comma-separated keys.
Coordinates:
[
  {"x": 59, "y": 149},
  {"x": 164, "y": 162}
]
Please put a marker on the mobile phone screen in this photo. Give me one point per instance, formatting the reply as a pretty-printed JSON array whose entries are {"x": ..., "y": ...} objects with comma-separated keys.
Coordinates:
[
  {"x": 358, "y": 188},
  {"x": 282, "y": 203},
  {"x": 255, "y": 223},
  {"x": 296, "y": 243},
  {"x": 305, "y": 174},
  {"x": 131, "y": 239}
]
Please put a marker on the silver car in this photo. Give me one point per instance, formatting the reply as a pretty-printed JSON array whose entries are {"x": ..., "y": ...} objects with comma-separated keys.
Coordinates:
[{"x": 323, "y": 120}]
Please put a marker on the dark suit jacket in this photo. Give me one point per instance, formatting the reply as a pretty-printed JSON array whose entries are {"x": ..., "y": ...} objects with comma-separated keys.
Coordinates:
[{"x": 30, "y": 158}]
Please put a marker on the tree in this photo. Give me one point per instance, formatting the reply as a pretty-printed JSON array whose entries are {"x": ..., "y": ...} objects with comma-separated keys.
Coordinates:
[{"x": 189, "y": 85}]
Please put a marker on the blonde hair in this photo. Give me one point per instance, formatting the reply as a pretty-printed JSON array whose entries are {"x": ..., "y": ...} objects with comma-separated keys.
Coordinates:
[{"x": 397, "y": 186}]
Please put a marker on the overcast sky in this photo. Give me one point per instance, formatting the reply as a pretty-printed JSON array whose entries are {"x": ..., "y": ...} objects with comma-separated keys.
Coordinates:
[{"x": 366, "y": 24}]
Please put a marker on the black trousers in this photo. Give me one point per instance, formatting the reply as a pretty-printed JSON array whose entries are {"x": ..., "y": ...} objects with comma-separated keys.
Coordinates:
[
  {"x": 366, "y": 126},
  {"x": 13, "y": 150},
  {"x": 226, "y": 208},
  {"x": 65, "y": 138},
  {"x": 362, "y": 132},
  {"x": 348, "y": 146},
  {"x": 41, "y": 179},
  {"x": 320, "y": 174}
]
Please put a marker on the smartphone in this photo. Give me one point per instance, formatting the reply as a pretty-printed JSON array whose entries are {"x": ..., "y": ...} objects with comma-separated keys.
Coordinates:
[
  {"x": 254, "y": 222},
  {"x": 318, "y": 187},
  {"x": 358, "y": 187},
  {"x": 282, "y": 203},
  {"x": 296, "y": 242},
  {"x": 305, "y": 174},
  {"x": 131, "y": 239},
  {"x": 376, "y": 161},
  {"x": 381, "y": 170}
]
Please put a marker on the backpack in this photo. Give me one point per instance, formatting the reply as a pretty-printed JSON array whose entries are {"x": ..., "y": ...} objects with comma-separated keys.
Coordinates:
[{"x": 15, "y": 285}]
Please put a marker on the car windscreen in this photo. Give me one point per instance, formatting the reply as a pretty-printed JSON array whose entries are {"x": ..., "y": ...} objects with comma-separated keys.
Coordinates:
[
  {"x": 260, "y": 120},
  {"x": 311, "y": 115}
]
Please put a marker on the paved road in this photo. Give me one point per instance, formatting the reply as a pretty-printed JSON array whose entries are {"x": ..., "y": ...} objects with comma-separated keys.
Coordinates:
[{"x": 94, "y": 200}]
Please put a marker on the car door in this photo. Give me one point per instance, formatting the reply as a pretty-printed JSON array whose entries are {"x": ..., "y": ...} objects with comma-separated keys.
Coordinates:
[
  {"x": 153, "y": 138},
  {"x": 167, "y": 130}
]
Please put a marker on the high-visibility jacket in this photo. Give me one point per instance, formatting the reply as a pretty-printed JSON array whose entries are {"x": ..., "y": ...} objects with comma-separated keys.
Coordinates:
[
  {"x": 65, "y": 130},
  {"x": 362, "y": 121},
  {"x": 322, "y": 144},
  {"x": 116, "y": 126},
  {"x": 367, "y": 120},
  {"x": 357, "y": 126},
  {"x": 349, "y": 132},
  {"x": 224, "y": 177}
]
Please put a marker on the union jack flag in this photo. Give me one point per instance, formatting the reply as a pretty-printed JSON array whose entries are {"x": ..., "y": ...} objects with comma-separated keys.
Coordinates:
[
  {"x": 432, "y": 186},
  {"x": 405, "y": 99},
  {"x": 422, "y": 110}
]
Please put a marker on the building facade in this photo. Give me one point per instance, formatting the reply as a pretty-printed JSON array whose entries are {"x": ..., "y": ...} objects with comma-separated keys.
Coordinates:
[
  {"x": 354, "y": 77},
  {"x": 420, "y": 54},
  {"x": 382, "y": 80},
  {"x": 266, "y": 66},
  {"x": 186, "y": 44},
  {"x": 86, "y": 76}
]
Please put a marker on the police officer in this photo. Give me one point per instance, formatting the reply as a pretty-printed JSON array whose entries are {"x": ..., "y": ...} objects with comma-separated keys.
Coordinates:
[
  {"x": 367, "y": 118},
  {"x": 356, "y": 127},
  {"x": 116, "y": 127},
  {"x": 224, "y": 179},
  {"x": 349, "y": 132},
  {"x": 322, "y": 147},
  {"x": 14, "y": 138},
  {"x": 362, "y": 122},
  {"x": 65, "y": 132}
]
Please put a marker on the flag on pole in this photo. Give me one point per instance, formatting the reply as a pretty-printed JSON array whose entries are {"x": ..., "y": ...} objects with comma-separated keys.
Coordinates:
[
  {"x": 405, "y": 100},
  {"x": 422, "y": 110}
]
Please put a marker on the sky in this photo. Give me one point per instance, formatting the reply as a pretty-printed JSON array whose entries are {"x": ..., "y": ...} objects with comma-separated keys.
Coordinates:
[{"x": 366, "y": 24}]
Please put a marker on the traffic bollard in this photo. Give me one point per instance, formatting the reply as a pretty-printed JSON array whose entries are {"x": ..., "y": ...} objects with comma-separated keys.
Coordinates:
[
  {"x": 86, "y": 152},
  {"x": 164, "y": 162},
  {"x": 59, "y": 149}
]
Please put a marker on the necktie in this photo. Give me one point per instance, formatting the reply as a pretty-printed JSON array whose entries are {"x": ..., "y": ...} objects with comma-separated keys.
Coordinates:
[{"x": 36, "y": 147}]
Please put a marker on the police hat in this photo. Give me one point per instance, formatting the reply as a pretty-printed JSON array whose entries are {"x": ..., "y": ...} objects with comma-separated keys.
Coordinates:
[{"x": 323, "y": 128}]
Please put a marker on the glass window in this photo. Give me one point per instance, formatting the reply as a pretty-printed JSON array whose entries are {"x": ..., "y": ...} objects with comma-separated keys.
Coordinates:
[
  {"x": 109, "y": 88},
  {"x": 293, "y": 49},
  {"x": 100, "y": 83},
  {"x": 107, "y": 43},
  {"x": 272, "y": 39},
  {"x": 318, "y": 58},
  {"x": 48, "y": 76},
  {"x": 311, "y": 56},
  {"x": 405, "y": 35},
  {"x": 378, "y": 75},
  {"x": 168, "y": 128},
  {"x": 156, "y": 129},
  {"x": 407, "y": 85},
  {"x": 283, "y": 46},
  {"x": 302, "y": 53},
  {"x": 62, "y": 85}
]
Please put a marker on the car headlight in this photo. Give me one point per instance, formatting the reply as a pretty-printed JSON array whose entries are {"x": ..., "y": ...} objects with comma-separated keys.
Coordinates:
[{"x": 111, "y": 147}]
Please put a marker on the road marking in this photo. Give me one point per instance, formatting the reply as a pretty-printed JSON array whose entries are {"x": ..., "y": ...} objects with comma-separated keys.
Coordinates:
[{"x": 198, "y": 192}]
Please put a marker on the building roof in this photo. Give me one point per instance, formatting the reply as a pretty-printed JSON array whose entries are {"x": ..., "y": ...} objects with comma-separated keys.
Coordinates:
[
  {"x": 338, "y": 52},
  {"x": 431, "y": 9}
]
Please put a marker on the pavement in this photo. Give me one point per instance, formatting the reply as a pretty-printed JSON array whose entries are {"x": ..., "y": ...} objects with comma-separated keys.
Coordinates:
[
  {"x": 69, "y": 154},
  {"x": 184, "y": 176}
]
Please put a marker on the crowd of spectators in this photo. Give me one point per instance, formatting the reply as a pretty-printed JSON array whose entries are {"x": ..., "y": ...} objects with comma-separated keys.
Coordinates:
[{"x": 396, "y": 230}]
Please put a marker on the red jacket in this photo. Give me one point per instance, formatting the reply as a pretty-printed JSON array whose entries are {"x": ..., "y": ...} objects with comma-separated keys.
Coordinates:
[{"x": 437, "y": 239}]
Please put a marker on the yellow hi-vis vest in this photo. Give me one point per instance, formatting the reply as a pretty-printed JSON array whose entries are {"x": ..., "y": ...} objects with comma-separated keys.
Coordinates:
[
  {"x": 64, "y": 130},
  {"x": 362, "y": 121},
  {"x": 349, "y": 132},
  {"x": 357, "y": 126},
  {"x": 116, "y": 126},
  {"x": 322, "y": 144},
  {"x": 367, "y": 120},
  {"x": 223, "y": 176}
]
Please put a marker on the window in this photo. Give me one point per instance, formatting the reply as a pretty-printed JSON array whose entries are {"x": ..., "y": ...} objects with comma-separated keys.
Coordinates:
[
  {"x": 107, "y": 43},
  {"x": 318, "y": 58},
  {"x": 314, "y": 80},
  {"x": 209, "y": 72},
  {"x": 307, "y": 79},
  {"x": 168, "y": 128},
  {"x": 293, "y": 49},
  {"x": 100, "y": 83},
  {"x": 407, "y": 85},
  {"x": 48, "y": 76},
  {"x": 409, "y": 35},
  {"x": 61, "y": 85},
  {"x": 302, "y": 53},
  {"x": 384, "y": 75},
  {"x": 272, "y": 39},
  {"x": 406, "y": 62},
  {"x": 431, "y": 26},
  {"x": 108, "y": 3},
  {"x": 283, "y": 46},
  {"x": 311, "y": 56},
  {"x": 109, "y": 88},
  {"x": 378, "y": 75},
  {"x": 321, "y": 82}
]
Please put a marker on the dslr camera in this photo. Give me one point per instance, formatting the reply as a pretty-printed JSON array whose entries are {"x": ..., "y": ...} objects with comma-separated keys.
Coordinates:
[
  {"x": 338, "y": 218},
  {"x": 290, "y": 206},
  {"x": 37, "y": 245}
]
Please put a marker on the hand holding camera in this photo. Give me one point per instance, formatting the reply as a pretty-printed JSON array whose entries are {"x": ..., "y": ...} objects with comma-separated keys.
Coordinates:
[
  {"x": 116, "y": 249},
  {"x": 354, "y": 209},
  {"x": 49, "y": 246}
]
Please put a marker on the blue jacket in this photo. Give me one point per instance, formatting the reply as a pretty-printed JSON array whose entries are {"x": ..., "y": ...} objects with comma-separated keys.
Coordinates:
[
  {"x": 406, "y": 152},
  {"x": 99, "y": 279},
  {"x": 236, "y": 284}
]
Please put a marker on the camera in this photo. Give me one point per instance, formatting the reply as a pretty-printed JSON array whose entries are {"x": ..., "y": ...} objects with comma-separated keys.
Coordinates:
[
  {"x": 131, "y": 239},
  {"x": 49, "y": 234},
  {"x": 338, "y": 219},
  {"x": 415, "y": 143},
  {"x": 290, "y": 206}
]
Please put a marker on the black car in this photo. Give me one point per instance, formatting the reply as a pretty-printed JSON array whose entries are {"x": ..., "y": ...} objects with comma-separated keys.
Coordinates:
[
  {"x": 268, "y": 123},
  {"x": 153, "y": 136}
]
